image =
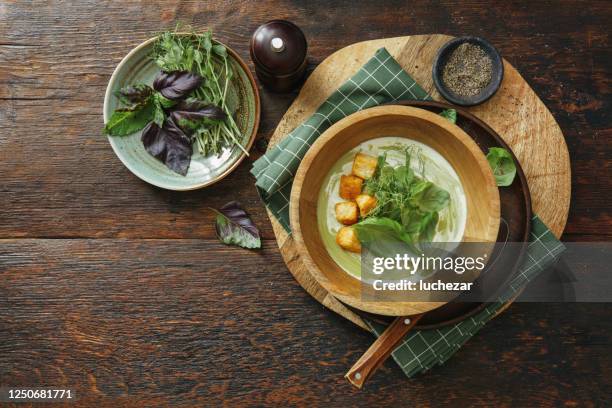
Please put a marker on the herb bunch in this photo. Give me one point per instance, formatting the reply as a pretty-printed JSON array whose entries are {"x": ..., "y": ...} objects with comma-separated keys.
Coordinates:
[
  {"x": 185, "y": 105},
  {"x": 200, "y": 54},
  {"x": 407, "y": 205}
]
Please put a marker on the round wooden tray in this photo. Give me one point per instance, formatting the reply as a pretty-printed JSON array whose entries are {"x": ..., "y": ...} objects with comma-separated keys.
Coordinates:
[{"x": 514, "y": 112}]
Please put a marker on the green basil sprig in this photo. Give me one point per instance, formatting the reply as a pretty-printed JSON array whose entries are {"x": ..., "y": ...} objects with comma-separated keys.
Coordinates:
[
  {"x": 407, "y": 205},
  {"x": 502, "y": 165},
  {"x": 450, "y": 114}
]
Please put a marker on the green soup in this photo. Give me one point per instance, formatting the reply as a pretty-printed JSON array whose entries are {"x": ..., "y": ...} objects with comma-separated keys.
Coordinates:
[{"x": 430, "y": 166}]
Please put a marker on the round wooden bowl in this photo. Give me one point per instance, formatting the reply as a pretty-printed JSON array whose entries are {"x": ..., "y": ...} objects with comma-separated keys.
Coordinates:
[{"x": 466, "y": 158}]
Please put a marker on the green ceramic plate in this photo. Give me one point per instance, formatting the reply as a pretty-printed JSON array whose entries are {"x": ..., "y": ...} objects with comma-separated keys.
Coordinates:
[{"x": 137, "y": 67}]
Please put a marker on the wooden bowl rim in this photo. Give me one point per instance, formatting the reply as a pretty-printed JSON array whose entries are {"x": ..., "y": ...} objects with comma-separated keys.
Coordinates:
[{"x": 381, "y": 308}]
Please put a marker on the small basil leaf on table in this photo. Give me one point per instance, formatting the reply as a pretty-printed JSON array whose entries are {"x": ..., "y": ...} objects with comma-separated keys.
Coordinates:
[
  {"x": 449, "y": 114},
  {"x": 502, "y": 165},
  {"x": 129, "y": 120},
  {"x": 235, "y": 227},
  {"x": 177, "y": 84},
  {"x": 169, "y": 145}
]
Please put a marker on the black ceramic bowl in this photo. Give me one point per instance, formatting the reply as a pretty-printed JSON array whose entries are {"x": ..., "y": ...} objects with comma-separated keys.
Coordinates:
[{"x": 497, "y": 73}]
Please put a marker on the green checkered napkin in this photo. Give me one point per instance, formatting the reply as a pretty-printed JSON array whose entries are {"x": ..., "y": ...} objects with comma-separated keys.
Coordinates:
[{"x": 382, "y": 80}]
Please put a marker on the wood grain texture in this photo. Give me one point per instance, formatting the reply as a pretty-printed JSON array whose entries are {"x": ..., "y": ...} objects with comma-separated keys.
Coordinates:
[
  {"x": 91, "y": 295},
  {"x": 164, "y": 322}
]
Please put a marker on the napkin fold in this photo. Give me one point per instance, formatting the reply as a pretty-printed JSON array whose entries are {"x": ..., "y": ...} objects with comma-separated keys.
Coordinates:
[{"x": 379, "y": 81}]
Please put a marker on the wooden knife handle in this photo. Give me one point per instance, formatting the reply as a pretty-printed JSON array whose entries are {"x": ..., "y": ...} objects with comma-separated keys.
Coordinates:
[{"x": 380, "y": 350}]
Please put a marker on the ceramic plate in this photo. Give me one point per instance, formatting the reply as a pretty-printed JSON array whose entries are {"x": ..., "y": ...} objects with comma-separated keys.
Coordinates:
[{"x": 137, "y": 67}]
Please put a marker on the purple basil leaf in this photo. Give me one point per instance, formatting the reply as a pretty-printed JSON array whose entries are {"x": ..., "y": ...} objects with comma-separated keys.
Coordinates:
[
  {"x": 193, "y": 110},
  {"x": 154, "y": 141},
  {"x": 179, "y": 148},
  {"x": 169, "y": 145},
  {"x": 235, "y": 227},
  {"x": 134, "y": 94},
  {"x": 177, "y": 84}
]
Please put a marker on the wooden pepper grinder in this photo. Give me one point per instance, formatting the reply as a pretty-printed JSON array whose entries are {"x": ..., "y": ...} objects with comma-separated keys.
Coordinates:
[{"x": 278, "y": 50}]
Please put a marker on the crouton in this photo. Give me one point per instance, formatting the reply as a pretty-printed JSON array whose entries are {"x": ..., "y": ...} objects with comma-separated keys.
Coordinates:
[
  {"x": 347, "y": 239},
  {"x": 346, "y": 212},
  {"x": 364, "y": 165},
  {"x": 366, "y": 203},
  {"x": 350, "y": 187}
]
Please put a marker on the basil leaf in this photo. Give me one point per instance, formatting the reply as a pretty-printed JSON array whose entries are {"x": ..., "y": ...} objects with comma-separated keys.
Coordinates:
[
  {"x": 134, "y": 94},
  {"x": 428, "y": 227},
  {"x": 207, "y": 40},
  {"x": 403, "y": 177},
  {"x": 129, "y": 120},
  {"x": 433, "y": 198},
  {"x": 164, "y": 102},
  {"x": 235, "y": 227},
  {"x": 411, "y": 220},
  {"x": 417, "y": 189},
  {"x": 169, "y": 145},
  {"x": 154, "y": 141},
  {"x": 158, "y": 113},
  {"x": 449, "y": 114},
  {"x": 502, "y": 165},
  {"x": 375, "y": 228},
  {"x": 197, "y": 56},
  {"x": 193, "y": 109},
  {"x": 220, "y": 50},
  {"x": 177, "y": 84}
]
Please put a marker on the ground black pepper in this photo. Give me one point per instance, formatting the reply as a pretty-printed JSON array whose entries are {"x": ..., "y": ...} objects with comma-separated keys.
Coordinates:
[{"x": 468, "y": 70}]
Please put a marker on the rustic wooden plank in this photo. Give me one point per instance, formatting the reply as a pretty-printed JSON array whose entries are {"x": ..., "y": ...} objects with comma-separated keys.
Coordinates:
[
  {"x": 58, "y": 60},
  {"x": 167, "y": 321},
  {"x": 85, "y": 313}
]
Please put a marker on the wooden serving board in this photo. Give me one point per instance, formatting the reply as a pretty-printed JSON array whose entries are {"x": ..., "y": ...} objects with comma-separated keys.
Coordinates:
[{"x": 515, "y": 112}]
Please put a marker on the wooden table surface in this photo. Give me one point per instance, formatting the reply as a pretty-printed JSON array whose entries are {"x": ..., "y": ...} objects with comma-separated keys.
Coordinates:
[{"x": 121, "y": 291}]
